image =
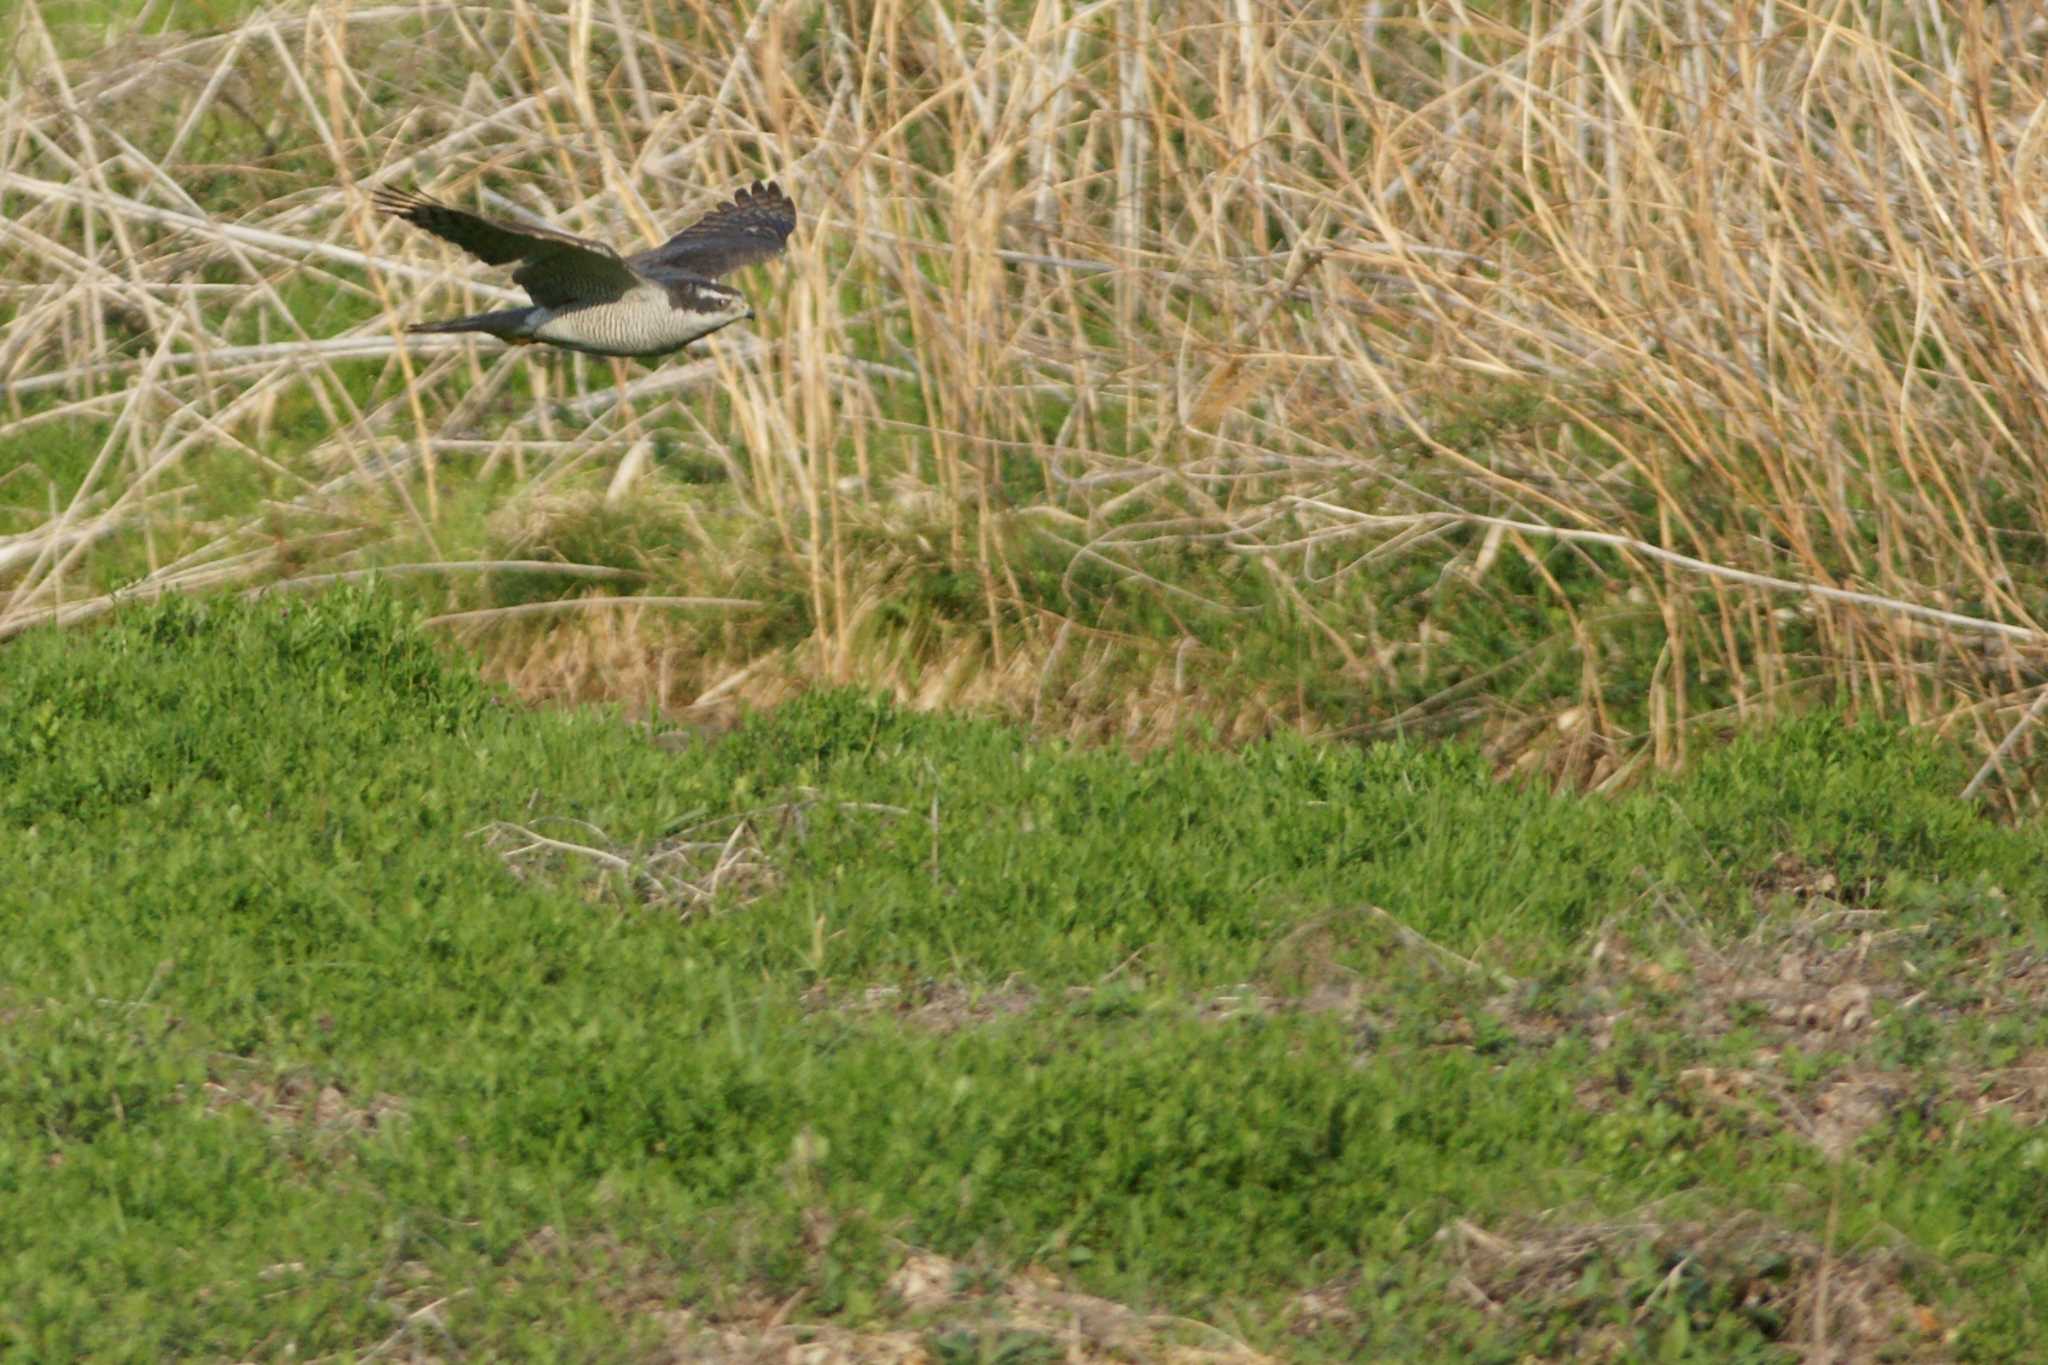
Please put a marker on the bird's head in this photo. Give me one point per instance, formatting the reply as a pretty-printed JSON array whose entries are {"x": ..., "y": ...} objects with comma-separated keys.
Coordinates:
[{"x": 715, "y": 304}]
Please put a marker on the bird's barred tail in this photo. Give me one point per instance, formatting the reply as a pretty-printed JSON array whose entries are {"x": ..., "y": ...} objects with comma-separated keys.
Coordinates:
[{"x": 510, "y": 324}]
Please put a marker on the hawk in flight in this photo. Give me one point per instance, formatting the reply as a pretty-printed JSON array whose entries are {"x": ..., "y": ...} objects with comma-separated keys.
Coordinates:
[{"x": 587, "y": 297}]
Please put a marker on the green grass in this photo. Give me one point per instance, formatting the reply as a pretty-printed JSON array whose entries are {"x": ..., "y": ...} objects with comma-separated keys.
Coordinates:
[
  {"x": 245, "y": 870},
  {"x": 72, "y": 22}
]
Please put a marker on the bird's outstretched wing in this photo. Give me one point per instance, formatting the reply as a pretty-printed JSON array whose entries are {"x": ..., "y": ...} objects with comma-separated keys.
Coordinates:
[
  {"x": 557, "y": 268},
  {"x": 753, "y": 227}
]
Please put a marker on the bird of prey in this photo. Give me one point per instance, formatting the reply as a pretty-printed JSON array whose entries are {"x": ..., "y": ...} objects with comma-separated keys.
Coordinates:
[{"x": 587, "y": 297}]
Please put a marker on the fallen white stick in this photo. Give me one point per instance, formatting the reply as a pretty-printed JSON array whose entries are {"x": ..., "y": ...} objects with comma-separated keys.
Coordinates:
[
  {"x": 1369, "y": 521},
  {"x": 279, "y": 242}
]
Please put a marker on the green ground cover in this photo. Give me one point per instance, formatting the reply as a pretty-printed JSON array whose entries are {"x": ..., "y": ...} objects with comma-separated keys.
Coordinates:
[{"x": 312, "y": 1047}]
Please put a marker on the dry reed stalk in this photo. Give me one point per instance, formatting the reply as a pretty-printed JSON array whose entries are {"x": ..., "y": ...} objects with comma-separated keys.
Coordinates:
[{"x": 1735, "y": 302}]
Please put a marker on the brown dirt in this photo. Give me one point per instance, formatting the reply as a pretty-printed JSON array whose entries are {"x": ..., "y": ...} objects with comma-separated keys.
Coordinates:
[
  {"x": 297, "y": 1101},
  {"x": 937, "y": 1005},
  {"x": 1811, "y": 978}
]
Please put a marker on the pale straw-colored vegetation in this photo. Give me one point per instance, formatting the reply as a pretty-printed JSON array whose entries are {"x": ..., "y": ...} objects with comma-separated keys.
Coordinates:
[{"x": 1589, "y": 378}]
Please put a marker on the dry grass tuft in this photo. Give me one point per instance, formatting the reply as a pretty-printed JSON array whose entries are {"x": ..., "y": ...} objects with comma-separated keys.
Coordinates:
[
  {"x": 934, "y": 1310},
  {"x": 1710, "y": 335},
  {"x": 1834, "y": 1307},
  {"x": 1025, "y": 1317},
  {"x": 296, "y": 1101},
  {"x": 941, "y": 1006},
  {"x": 688, "y": 872}
]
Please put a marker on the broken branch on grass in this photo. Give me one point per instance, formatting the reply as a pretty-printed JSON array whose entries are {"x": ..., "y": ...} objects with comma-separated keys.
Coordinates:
[
  {"x": 219, "y": 361},
  {"x": 672, "y": 872}
]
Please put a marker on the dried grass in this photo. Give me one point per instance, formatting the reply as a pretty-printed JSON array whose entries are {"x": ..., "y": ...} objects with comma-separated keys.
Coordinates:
[
  {"x": 1746, "y": 297},
  {"x": 688, "y": 872},
  {"x": 1811, "y": 1299}
]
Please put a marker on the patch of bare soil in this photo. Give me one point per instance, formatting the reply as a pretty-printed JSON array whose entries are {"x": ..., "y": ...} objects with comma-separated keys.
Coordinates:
[
  {"x": 297, "y": 1101},
  {"x": 1796, "y": 977},
  {"x": 938, "y": 1005},
  {"x": 1606, "y": 1284},
  {"x": 1809, "y": 980},
  {"x": 1848, "y": 1103},
  {"x": 1026, "y": 1319}
]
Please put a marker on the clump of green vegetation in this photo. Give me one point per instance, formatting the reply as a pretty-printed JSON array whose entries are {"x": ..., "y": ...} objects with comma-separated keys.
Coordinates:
[{"x": 1353, "y": 1048}]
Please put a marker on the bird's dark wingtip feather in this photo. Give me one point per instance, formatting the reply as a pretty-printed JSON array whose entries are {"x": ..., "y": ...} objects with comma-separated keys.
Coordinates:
[
  {"x": 759, "y": 190},
  {"x": 400, "y": 203}
]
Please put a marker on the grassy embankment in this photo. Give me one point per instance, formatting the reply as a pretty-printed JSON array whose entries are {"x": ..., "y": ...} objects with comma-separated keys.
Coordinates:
[
  {"x": 1131, "y": 371},
  {"x": 348, "y": 1011}
]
